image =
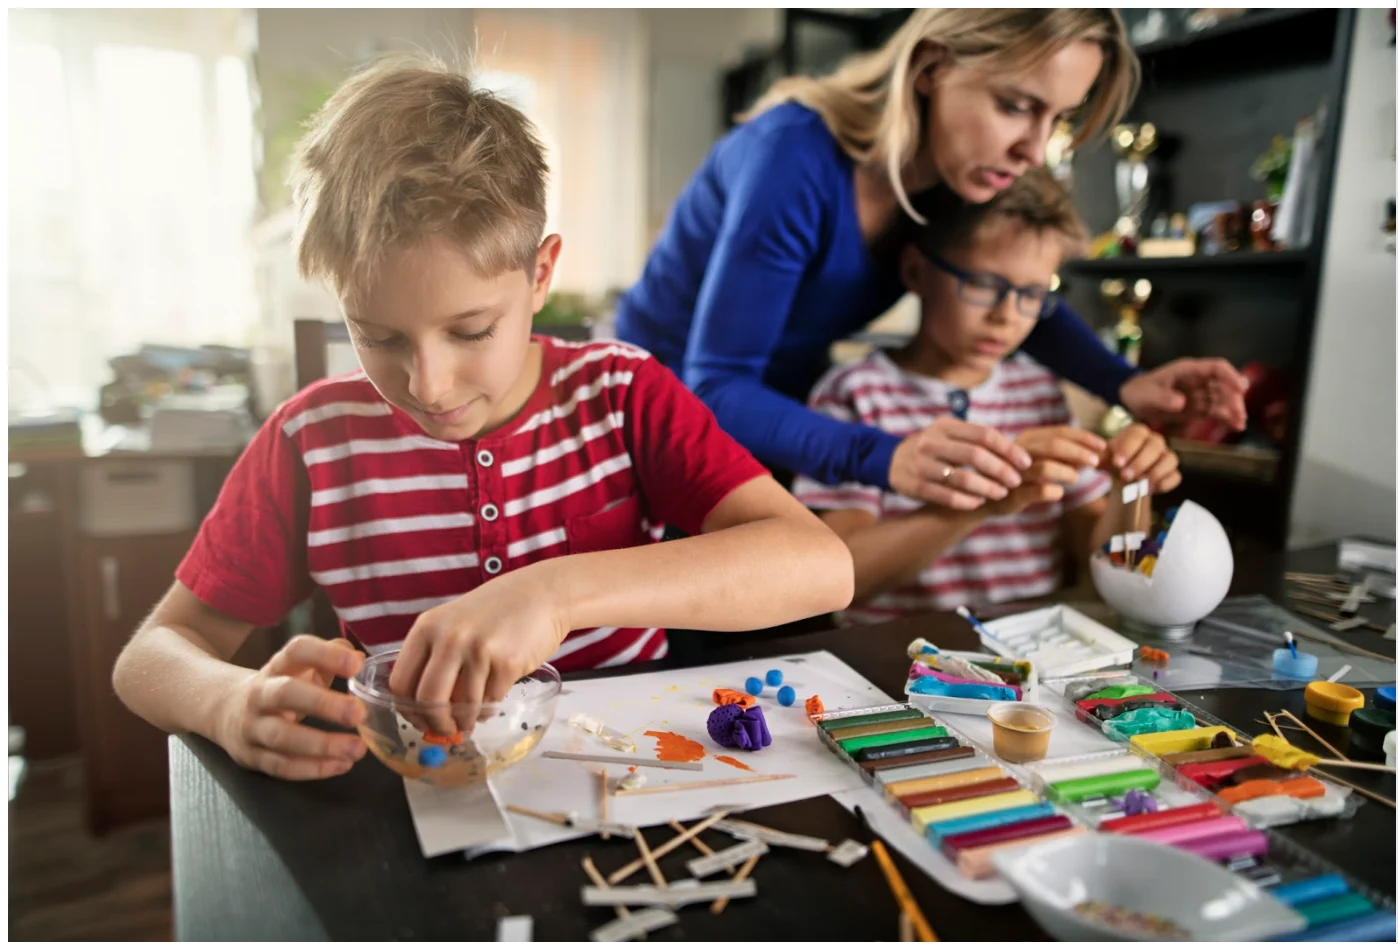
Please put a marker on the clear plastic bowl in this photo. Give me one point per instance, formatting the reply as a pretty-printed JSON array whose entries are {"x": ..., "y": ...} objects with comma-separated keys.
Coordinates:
[{"x": 494, "y": 735}]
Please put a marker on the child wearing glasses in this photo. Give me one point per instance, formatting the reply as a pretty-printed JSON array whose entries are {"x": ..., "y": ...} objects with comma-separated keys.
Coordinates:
[{"x": 983, "y": 274}]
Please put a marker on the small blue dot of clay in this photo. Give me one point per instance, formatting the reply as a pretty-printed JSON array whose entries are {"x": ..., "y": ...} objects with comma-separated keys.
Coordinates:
[
  {"x": 753, "y": 686},
  {"x": 774, "y": 676},
  {"x": 432, "y": 756},
  {"x": 787, "y": 696}
]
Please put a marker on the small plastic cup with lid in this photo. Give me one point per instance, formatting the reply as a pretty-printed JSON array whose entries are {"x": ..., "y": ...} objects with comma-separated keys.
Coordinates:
[
  {"x": 1294, "y": 665},
  {"x": 1332, "y": 702}
]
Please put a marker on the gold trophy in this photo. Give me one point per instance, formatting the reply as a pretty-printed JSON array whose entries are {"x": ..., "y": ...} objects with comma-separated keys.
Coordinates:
[
  {"x": 1133, "y": 144},
  {"x": 1128, "y": 298}
]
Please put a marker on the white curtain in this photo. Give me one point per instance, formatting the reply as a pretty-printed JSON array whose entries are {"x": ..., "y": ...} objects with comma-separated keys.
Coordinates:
[{"x": 131, "y": 181}]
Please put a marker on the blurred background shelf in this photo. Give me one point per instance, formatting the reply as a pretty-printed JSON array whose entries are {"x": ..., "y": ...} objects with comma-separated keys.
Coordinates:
[{"x": 1130, "y": 265}]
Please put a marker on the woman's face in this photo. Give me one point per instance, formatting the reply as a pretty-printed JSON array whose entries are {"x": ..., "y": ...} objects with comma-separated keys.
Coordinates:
[{"x": 984, "y": 130}]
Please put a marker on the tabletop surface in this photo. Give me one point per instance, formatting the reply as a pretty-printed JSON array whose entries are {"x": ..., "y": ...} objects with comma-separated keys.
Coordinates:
[{"x": 255, "y": 858}]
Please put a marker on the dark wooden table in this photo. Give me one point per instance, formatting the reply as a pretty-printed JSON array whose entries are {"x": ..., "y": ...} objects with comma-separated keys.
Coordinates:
[{"x": 262, "y": 859}]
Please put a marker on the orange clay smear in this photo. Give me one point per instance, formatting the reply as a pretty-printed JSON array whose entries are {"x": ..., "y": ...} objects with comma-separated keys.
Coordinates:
[
  {"x": 814, "y": 707},
  {"x": 727, "y": 696},
  {"x": 671, "y": 746},
  {"x": 732, "y": 762},
  {"x": 432, "y": 738}
]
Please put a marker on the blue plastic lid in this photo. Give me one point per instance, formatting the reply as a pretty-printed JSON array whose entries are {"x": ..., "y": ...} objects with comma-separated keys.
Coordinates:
[
  {"x": 1302, "y": 665},
  {"x": 1383, "y": 698}
]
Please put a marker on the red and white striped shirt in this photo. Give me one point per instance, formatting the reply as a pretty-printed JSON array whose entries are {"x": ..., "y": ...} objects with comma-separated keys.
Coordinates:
[
  {"x": 342, "y": 490},
  {"x": 1007, "y": 558}
]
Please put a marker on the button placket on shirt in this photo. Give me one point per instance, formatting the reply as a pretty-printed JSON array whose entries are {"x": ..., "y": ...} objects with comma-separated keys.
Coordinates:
[{"x": 491, "y": 542}]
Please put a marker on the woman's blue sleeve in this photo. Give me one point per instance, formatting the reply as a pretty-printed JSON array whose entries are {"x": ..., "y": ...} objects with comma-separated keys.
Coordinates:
[{"x": 775, "y": 210}]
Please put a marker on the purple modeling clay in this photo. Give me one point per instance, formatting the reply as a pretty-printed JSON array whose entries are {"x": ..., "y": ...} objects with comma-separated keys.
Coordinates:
[
  {"x": 1135, "y": 802},
  {"x": 731, "y": 726}
]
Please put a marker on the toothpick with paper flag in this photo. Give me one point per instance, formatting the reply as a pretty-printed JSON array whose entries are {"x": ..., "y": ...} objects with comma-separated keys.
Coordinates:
[{"x": 1132, "y": 493}]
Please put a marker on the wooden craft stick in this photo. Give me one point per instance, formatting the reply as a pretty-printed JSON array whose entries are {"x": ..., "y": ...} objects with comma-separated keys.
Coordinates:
[
  {"x": 1354, "y": 786},
  {"x": 621, "y": 910},
  {"x": 1342, "y": 646},
  {"x": 1317, "y": 614},
  {"x": 626, "y": 759},
  {"x": 1320, "y": 740},
  {"x": 671, "y": 787},
  {"x": 626, "y": 871},
  {"x": 697, "y": 843},
  {"x": 656, "y": 875},
  {"x": 718, "y": 906},
  {"x": 558, "y": 819}
]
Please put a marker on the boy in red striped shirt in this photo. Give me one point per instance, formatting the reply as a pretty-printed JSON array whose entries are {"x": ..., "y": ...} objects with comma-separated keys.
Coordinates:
[
  {"x": 480, "y": 495},
  {"x": 982, "y": 273}
]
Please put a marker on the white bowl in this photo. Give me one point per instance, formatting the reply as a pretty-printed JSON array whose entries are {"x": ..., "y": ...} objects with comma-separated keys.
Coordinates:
[
  {"x": 1203, "y": 898},
  {"x": 1191, "y": 576}
]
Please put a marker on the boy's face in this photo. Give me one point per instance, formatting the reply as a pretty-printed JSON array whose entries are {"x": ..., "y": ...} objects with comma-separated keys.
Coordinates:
[
  {"x": 977, "y": 335},
  {"x": 445, "y": 345}
]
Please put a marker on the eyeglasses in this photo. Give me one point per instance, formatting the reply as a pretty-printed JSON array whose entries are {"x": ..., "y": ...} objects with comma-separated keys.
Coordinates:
[{"x": 987, "y": 290}]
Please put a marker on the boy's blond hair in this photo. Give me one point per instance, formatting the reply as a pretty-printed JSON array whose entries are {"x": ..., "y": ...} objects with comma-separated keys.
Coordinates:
[
  {"x": 406, "y": 149},
  {"x": 1036, "y": 201}
]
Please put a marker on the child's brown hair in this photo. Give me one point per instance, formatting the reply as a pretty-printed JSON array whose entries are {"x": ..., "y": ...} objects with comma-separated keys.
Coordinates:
[
  {"x": 406, "y": 149},
  {"x": 1036, "y": 201}
]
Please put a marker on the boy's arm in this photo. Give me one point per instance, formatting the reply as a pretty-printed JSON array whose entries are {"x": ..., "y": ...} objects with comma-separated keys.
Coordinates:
[
  {"x": 891, "y": 552},
  {"x": 175, "y": 674}
]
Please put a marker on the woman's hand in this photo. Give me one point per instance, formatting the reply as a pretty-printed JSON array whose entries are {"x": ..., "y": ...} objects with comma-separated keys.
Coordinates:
[
  {"x": 474, "y": 648},
  {"x": 956, "y": 464},
  {"x": 259, "y": 723},
  {"x": 1138, "y": 452},
  {"x": 1188, "y": 388}
]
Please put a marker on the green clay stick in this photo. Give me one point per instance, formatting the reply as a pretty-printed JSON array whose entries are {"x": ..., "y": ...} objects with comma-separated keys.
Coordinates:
[
  {"x": 854, "y": 745},
  {"x": 1103, "y": 785}
]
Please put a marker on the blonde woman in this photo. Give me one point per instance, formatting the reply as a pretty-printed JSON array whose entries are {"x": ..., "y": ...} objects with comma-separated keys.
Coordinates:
[{"x": 787, "y": 240}]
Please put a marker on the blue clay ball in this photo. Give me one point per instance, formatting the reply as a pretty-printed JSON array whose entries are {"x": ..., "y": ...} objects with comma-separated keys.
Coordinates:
[
  {"x": 432, "y": 756},
  {"x": 787, "y": 695},
  {"x": 774, "y": 677},
  {"x": 753, "y": 686}
]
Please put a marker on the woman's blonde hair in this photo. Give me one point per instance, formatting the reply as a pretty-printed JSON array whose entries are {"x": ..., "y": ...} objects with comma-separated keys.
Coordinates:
[{"x": 872, "y": 109}]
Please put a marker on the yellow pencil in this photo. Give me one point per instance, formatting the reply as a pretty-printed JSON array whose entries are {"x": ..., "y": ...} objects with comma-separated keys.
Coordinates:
[{"x": 900, "y": 891}]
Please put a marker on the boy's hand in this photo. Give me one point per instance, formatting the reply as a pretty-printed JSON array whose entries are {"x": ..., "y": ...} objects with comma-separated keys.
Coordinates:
[
  {"x": 1139, "y": 452},
  {"x": 474, "y": 648},
  {"x": 1030, "y": 493},
  {"x": 956, "y": 464},
  {"x": 1060, "y": 453},
  {"x": 260, "y": 720}
]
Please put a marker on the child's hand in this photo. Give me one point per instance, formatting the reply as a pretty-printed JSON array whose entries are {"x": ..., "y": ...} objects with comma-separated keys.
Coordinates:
[
  {"x": 1139, "y": 452},
  {"x": 260, "y": 720},
  {"x": 474, "y": 648},
  {"x": 1030, "y": 493},
  {"x": 1060, "y": 453}
]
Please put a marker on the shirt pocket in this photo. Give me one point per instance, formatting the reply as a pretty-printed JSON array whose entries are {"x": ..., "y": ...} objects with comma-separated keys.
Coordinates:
[{"x": 616, "y": 526}]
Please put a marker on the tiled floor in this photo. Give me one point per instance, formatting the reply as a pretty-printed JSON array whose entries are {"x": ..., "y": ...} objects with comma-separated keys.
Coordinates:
[{"x": 66, "y": 884}]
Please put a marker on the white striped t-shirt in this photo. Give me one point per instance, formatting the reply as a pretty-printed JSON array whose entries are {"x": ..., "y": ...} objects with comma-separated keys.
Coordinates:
[{"x": 1008, "y": 558}]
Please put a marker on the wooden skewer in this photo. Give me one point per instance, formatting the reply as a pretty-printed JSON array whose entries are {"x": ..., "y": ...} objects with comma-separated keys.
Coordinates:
[
  {"x": 1341, "y": 645},
  {"x": 905, "y": 926},
  {"x": 735, "y": 781},
  {"x": 718, "y": 906},
  {"x": 626, "y": 871},
  {"x": 1320, "y": 740},
  {"x": 656, "y": 875},
  {"x": 621, "y": 910},
  {"x": 558, "y": 819},
  {"x": 1317, "y": 614},
  {"x": 1357, "y": 765},
  {"x": 1379, "y": 797},
  {"x": 602, "y": 776}
]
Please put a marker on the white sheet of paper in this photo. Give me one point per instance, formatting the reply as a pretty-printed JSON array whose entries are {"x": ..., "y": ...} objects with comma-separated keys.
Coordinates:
[
  {"x": 449, "y": 819},
  {"x": 680, "y": 701}
]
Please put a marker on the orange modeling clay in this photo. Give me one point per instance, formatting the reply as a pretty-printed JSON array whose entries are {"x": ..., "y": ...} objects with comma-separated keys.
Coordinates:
[
  {"x": 671, "y": 746},
  {"x": 814, "y": 707},
  {"x": 732, "y": 762},
  {"x": 431, "y": 738},
  {"x": 1302, "y": 788},
  {"x": 727, "y": 696}
]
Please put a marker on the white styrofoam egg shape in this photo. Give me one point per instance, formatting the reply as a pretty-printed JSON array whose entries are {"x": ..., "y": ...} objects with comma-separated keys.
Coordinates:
[{"x": 1191, "y": 577}]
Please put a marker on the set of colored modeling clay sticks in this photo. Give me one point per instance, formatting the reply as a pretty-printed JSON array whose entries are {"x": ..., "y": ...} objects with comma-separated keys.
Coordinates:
[
  {"x": 965, "y": 803},
  {"x": 1332, "y": 909},
  {"x": 1263, "y": 787}
]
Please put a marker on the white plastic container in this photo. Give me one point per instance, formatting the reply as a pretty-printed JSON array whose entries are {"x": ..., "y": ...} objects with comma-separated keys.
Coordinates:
[
  {"x": 1058, "y": 641},
  {"x": 1190, "y": 579}
]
